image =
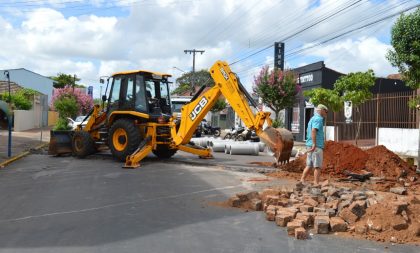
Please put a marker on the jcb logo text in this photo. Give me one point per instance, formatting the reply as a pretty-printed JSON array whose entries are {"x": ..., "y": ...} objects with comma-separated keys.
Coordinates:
[{"x": 198, "y": 108}]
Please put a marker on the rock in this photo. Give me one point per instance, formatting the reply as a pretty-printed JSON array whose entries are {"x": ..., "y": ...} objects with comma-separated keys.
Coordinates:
[
  {"x": 347, "y": 197},
  {"x": 338, "y": 224},
  {"x": 399, "y": 190},
  {"x": 405, "y": 216},
  {"x": 310, "y": 202},
  {"x": 358, "y": 208},
  {"x": 283, "y": 218},
  {"x": 333, "y": 192},
  {"x": 371, "y": 202},
  {"x": 399, "y": 206},
  {"x": 255, "y": 204},
  {"x": 315, "y": 191},
  {"x": 234, "y": 202},
  {"x": 301, "y": 234},
  {"x": 292, "y": 225},
  {"x": 348, "y": 216},
  {"x": 360, "y": 229},
  {"x": 321, "y": 224},
  {"x": 393, "y": 239}
]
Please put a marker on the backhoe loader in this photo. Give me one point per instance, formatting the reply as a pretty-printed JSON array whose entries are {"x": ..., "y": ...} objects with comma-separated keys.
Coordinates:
[{"x": 137, "y": 119}]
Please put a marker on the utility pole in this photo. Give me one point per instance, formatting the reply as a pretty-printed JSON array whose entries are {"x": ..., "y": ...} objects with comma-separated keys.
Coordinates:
[{"x": 193, "y": 52}]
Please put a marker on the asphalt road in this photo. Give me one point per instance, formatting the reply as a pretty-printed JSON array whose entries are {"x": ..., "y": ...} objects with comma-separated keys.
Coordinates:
[{"x": 62, "y": 204}]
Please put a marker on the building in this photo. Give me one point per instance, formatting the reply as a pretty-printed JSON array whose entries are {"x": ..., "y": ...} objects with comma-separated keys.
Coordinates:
[
  {"x": 317, "y": 75},
  {"x": 29, "y": 79}
]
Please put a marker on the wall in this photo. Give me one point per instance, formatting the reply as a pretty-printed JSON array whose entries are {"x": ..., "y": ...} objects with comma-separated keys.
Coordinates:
[
  {"x": 52, "y": 118},
  {"x": 23, "y": 120},
  {"x": 32, "y": 80},
  {"x": 400, "y": 140}
]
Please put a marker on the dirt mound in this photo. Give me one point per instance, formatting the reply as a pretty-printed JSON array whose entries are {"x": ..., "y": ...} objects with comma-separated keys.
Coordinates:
[
  {"x": 341, "y": 157},
  {"x": 383, "y": 162}
]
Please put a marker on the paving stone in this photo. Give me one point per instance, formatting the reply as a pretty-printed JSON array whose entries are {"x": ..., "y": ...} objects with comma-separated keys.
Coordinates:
[
  {"x": 360, "y": 198},
  {"x": 321, "y": 199},
  {"x": 255, "y": 204},
  {"x": 234, "y": 202},
  {"x": 306, "y": 208},
  {"x": 283, "y": 218},
  {"x": 307, "y": 220},
  {"x": 358, "y": 208},
  {"x": 315, "y": 191},
  {"x": 338, "y": 224},
  {"x": 301, "y": 234},
  {"x": 272, "y": 199},
  {"x": 333, "y": 192},
  {"x": 399, "y": 190},
  {"x": 348, "y": 216},
  {"x": 319, "y": 210},
  {"x": 321, "y": 224},
  {"x": 347, "y": 197},
  {"x": 293, "y": 202},
  {"x": 270, "y": 215},
  {"x": 343, "y": 204},
  {"x": 371, "y": 202},
  {"x": 242, "y": 196},
  {"x": 292, "y": 225},
  {"x": 284, "y": 202},
  {"x": 331, "y": 212},
  {"x": 310, "y": 202},
  {"x": 332, "y": 204},
  {"x": 253, "y": 195}
]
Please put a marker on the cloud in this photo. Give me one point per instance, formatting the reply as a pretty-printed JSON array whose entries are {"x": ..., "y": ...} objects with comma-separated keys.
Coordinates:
[{"x": 358, "y": 54}]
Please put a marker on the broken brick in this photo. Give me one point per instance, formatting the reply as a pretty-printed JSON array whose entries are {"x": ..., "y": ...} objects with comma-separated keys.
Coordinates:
[
  {"x": 306, "y": 208},
  {"x": 307, "y": 220},
  {"x": 272, "y": 199},
  {"x": 242, "y": 196},
  {"x": 338, "y": 224},
  {"x": 358, "y": 208},
  {"x": 283, "y": 218},
  {"x": 399, "y": 190},
  {"x": 255, "y": 204},
  {"x": 310, "y": 202},
  {"x": 252, "y": 195}
]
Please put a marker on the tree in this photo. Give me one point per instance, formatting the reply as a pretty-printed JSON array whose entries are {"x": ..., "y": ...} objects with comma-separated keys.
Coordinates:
[
  {"x": 218, "y": 106},
  {"x": 276, "y": 88},
  {"x": 355, "y": 87},
  {"x": 405, "y": 40},
  {"x": 327, "y": 97},
  {"x": 200, "y": 78},
  {"x": 62, "y": 80},
  {"x": 84, "y": 101}
]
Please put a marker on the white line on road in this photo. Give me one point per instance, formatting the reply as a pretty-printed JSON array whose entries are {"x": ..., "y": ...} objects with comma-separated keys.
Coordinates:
[{"x": 118, "y": 204}]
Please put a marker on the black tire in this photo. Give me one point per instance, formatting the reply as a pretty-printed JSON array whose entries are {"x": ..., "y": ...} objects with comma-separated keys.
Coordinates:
[
  {"x": 240, "y": 138},
  {"x": 216, "y": 133},
  {"x": 227, "y": 137},
  {"x": 124, "y": 138},
  {"x": 82, "y": 144},
  {"x": 164, "y": 152},
  {"x": 198, "y": 134}
]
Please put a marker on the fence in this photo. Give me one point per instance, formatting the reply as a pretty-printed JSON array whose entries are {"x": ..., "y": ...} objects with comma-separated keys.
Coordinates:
[{"x": 388, "y": 110}]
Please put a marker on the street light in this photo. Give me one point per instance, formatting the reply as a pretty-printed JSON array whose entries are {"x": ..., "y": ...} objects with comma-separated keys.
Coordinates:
[{"x": 9, "y": 149}]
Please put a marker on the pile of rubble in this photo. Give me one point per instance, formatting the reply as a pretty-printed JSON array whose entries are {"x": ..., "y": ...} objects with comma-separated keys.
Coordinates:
[{"x": 328, "y": 208}]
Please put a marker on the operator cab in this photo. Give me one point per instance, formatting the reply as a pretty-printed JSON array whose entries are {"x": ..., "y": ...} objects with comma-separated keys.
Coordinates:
[{"x": 141, "y": 91}]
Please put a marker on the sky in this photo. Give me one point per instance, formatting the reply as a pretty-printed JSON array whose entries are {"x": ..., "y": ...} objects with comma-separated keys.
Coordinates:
[{"x": 94, "y": 38}]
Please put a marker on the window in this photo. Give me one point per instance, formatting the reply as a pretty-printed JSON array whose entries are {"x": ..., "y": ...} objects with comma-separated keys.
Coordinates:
[{"x": 140, "y": 104}]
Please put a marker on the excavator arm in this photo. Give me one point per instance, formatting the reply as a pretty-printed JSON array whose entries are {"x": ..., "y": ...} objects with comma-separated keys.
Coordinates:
[{"x": 280, "y": 141}]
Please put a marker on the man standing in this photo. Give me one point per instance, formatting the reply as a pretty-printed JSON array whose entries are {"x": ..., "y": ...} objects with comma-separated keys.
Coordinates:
[{"x": 315, "y": 143}]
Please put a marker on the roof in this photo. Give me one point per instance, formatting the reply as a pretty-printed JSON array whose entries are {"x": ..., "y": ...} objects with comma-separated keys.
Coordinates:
[
  {"x": 142, "y": 72},
  {"x": 27, "y": 71}
]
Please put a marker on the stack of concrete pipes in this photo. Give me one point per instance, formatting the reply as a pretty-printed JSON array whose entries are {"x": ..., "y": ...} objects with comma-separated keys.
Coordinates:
[{"x": 231, "y": 147}]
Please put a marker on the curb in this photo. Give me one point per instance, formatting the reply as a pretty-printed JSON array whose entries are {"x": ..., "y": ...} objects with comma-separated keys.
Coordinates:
[{"x": 21, "y": 155}]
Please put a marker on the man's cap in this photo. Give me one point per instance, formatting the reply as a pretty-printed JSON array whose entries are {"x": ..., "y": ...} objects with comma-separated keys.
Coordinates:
[{"x": 322, "y": 107}]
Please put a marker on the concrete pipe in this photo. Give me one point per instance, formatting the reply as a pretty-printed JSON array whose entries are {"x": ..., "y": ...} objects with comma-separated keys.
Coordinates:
[
  {"x": 217, "y": 146},
  {"x": 227, "y": 148},
  {"x": 261, "y": 146},
  {"x": 244, "y": 149},
  {"x": 200, "y": 142}
]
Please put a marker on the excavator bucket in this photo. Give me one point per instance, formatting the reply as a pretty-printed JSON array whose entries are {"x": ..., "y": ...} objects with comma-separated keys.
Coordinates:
[
  {"x": 280, "y": 143},
  {"x": 60, "y": 142}
]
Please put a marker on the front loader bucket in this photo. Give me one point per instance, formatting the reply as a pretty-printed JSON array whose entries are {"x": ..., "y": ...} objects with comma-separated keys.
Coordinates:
[
  {"x": 60, "y": 142},
  {"x": 280, "y": 143}
]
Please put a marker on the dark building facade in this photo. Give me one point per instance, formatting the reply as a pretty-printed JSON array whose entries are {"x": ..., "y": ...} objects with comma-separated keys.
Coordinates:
[{"x": 317, "y": 75}]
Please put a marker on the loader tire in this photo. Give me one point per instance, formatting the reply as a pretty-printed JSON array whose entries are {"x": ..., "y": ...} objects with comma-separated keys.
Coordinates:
[
  {"x": 164, "y": 152},
  {"x": 124, "y": 138},
  {"x": 82, "y": 144}
]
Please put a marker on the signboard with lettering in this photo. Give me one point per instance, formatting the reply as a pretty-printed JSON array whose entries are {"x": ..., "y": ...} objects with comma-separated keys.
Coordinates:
[
  {"x": 279, "y": 55},
  {"x": 348, "y": 111}
]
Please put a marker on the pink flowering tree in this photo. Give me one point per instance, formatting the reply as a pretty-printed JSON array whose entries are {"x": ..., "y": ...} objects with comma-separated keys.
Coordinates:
[
  {"x": 84, "y": 101},
  {"x": 277, "y": 89}
]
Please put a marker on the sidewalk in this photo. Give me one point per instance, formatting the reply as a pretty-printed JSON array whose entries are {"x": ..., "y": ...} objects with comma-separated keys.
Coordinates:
[{"x": 22, "y": 142}]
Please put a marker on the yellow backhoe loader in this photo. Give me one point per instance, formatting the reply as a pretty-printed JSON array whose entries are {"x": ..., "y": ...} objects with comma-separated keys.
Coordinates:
[{"x": 138, "y": 119}]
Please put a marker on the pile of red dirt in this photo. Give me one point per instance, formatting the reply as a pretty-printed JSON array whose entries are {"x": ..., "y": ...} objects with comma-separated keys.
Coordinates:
[{"x": 342, "y": 157}]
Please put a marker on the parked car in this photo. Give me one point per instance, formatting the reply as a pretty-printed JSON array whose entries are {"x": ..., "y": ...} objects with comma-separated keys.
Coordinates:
[{"x": 77, "y": 121}]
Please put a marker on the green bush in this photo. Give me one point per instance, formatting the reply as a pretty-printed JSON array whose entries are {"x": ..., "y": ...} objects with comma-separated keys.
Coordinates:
[
  {"x": 61, "y": 124},
  {"x": 21, "y": 102},
  {"x": 277, "y": 123},
  {"x": 66, "y": 107}
]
